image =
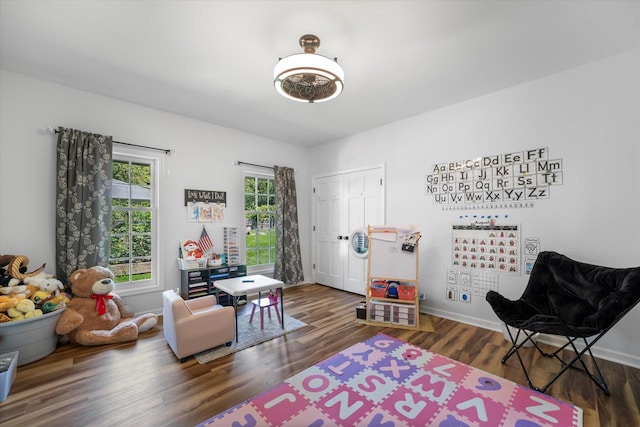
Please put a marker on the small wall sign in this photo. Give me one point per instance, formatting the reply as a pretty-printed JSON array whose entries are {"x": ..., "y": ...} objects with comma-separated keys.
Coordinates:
[
  {"x": 206, "y": 196},
  {"x": 205, "y": 205}
]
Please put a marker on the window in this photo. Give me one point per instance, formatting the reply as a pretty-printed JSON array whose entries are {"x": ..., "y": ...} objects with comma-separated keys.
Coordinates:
[
  {"x": 134, "y": 239},
  {"x": 259, "y": 217}
]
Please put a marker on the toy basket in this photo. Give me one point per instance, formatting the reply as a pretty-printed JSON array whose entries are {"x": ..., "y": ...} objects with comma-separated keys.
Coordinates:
[
  {"x": 406, "y": 292},
  {"x": 184, "y": 264},
  {"x": 378, "y": 288}
]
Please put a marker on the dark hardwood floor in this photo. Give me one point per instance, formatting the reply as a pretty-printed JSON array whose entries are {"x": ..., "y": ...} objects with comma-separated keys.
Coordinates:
[{"x": 143, "y": 384}]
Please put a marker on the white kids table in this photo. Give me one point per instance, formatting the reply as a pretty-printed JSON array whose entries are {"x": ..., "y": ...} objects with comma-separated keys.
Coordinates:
[{"x": 239, "y": 286}]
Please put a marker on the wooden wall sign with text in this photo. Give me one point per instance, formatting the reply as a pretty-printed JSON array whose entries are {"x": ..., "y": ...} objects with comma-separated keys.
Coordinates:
[{"x": 205, "y": 196}]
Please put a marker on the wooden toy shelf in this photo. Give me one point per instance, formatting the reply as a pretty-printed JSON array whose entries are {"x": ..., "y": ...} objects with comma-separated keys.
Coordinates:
[{"x": 391, "y": 266}]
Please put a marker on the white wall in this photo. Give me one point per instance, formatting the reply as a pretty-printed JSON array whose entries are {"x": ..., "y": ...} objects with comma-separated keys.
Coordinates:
[
  {"x": 203, "y": 156},
  {"x": 587, "y": 116}
]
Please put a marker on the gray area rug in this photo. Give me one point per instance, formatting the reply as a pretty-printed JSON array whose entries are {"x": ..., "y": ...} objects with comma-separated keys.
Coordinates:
[{"x": 250, "y": 334}]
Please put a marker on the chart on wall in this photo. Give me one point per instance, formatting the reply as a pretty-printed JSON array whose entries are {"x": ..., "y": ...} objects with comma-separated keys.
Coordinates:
[
  {"x": 489, "y": 248},
  {"x": 512, "y": 180}
]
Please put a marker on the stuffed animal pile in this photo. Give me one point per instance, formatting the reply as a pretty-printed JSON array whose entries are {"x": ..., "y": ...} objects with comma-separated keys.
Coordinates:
[
  {"x": 95, "y": 315},
  {"x": 25, "y": 295}
]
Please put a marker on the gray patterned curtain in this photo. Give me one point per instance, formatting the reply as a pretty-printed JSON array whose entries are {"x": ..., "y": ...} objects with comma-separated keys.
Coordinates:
[
  {"x": 288, "y": 265},
  {"x": 83, "y": 201}
]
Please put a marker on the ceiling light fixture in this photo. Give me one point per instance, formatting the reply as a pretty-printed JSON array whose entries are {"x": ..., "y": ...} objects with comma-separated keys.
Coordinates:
[{"x": 308, "y": 77}]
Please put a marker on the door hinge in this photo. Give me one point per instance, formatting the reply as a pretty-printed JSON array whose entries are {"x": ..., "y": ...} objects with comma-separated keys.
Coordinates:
[
  {"x": 314, "y": 190},
  {"x": 314, "y": 228},
  {"x": 380, "y": 181},
  {"x": 314, "y": 266}
]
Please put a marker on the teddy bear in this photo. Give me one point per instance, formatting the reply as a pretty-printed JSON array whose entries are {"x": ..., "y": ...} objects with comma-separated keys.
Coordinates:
[{"x": 95, "y": 315}]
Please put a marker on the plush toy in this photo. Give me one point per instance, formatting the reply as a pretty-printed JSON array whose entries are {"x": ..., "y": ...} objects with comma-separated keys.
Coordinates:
[
  {"x": 45, "y": 282},
  {"x": 95, "y": 315},
  {"x": 16, "y": 266},
  {"x": 6, "y": 280},
  {"x": 7, "y": 302},
  {"x": 48, "y": 301},
  {"x": 20, "y": 291},
  {"x": 17, "y": 289},
  {"x": 52, "y": 285},
  {"x": 13, "y": 271},
  {"x": 40, "y": 297},
  {"x": 54, "y": 303},
  {"x": 11, "y": 299},
  {"x": 6, "y": 259},
  {"x": 5, "y": 277},
  {"x": 25, "y": 309}
]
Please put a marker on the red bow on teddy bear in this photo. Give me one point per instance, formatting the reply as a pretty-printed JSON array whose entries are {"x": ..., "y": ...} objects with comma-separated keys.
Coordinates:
[{"x": 101, "y": 306}]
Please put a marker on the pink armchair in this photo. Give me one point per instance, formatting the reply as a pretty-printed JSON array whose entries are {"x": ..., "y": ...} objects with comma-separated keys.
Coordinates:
[{"x": 195, "y": 325}]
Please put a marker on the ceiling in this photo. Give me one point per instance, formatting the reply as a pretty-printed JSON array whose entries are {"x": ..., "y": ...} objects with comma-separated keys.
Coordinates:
[{"x": 213, "y": 60}]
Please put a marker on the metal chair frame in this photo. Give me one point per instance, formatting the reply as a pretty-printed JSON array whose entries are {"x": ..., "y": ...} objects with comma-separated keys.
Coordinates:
[{"x": 595, "y": 375}]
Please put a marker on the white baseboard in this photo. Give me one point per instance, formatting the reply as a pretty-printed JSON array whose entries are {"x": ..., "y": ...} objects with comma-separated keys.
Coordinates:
[
  {"x": 600, "y": 352},
  {"x": 156, "y": 311},
  {"x": 470, "y": 320}
]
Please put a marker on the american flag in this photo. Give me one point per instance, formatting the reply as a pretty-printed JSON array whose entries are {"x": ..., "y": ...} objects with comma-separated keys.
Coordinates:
[{"x": 205, "y": 242}]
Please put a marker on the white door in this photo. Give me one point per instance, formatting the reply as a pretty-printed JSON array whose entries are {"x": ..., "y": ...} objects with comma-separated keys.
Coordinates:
[
  {"x": 345, "y": 203},
  {"x": 328, "y": 208},
  {"x": 365, "y": 206}
]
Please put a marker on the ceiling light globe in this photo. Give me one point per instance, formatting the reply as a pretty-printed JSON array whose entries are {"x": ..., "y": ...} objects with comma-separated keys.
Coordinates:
[{"x": 308, "y": 77}]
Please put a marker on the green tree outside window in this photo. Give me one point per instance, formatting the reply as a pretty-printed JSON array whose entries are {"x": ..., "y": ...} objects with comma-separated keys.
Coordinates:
[
  {"x": 259, "y": 206},
  {"x": 131, "y": 221}
]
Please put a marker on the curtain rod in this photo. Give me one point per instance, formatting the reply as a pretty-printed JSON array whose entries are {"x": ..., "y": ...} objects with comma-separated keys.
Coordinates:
[
  {"x": 166, "y": 150},
  {"x": 238, "y": 163}
]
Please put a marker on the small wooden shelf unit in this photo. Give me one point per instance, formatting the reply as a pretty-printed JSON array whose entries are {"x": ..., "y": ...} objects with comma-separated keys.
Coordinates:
[{"x": 392, "y": 265}]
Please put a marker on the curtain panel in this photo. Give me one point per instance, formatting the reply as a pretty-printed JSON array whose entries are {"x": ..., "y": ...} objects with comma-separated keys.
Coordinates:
[
  {"x": 83, "y": 201},
  {"x": 288, "y": 264}
]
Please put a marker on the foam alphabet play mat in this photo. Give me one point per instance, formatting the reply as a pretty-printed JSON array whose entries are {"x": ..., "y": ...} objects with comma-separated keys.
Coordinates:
[{"x": 387, "y": 382}]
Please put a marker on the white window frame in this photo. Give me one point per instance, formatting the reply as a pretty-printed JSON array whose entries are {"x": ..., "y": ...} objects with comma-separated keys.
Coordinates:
[
  {"x": 266, "y": 269},
  {"x": 156, "y": 160}
]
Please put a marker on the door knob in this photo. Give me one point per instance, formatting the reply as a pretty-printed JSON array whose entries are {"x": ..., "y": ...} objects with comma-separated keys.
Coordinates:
[{"x": 339, "y": 237}]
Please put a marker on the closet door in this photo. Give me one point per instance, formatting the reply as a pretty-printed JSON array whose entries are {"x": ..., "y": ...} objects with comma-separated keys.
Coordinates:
[
  {"x": 328, "y": 248},
  {"x": 364, "y": 200},
  {"x": 344, "y": 203}
]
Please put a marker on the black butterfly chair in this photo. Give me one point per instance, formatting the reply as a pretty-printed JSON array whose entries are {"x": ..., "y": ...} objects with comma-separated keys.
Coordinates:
[{"x": 572, "y": 299}]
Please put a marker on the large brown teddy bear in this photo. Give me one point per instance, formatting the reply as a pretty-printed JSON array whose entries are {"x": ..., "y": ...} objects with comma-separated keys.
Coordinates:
[{"x": 95, "y": 316}]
